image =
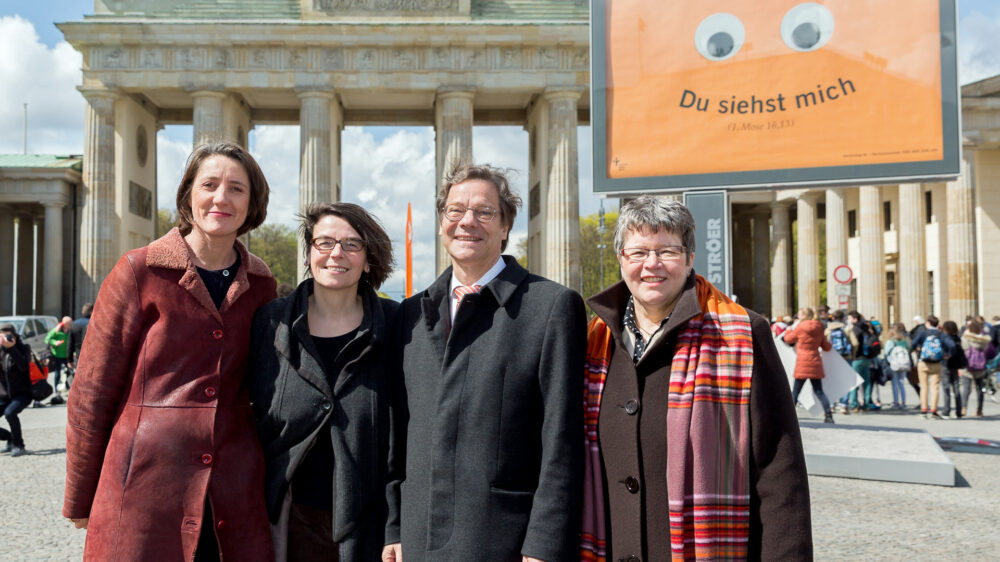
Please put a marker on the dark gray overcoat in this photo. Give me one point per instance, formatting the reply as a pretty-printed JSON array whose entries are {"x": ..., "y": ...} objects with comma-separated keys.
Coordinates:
[
  {"x": 293, "y": 400},
  {"x": 494, "y": 441}
]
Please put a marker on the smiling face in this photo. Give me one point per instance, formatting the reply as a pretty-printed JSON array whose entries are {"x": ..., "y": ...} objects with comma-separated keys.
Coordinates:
[
  {"x": 654, "y": 284},
  {"x": 337, "y": 269},
  {"x": 473, "y": 245},
  {"x": 220, "y": 196}
]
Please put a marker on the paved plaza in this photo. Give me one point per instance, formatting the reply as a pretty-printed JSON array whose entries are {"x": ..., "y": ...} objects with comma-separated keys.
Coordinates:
[{"x": 852, "y": 519}]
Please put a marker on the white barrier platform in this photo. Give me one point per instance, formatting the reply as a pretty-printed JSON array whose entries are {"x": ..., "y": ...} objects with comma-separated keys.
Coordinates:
[{"x": 875, "y": 453}]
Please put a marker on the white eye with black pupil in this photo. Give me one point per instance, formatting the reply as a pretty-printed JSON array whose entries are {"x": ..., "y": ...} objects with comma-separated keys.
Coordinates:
[
  {"x": 807, "y": 27},
  {"x": 719, "y": 36}
]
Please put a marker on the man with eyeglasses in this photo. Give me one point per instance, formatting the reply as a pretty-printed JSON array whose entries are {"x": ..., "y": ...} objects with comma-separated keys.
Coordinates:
[{"x": 491, "y": 362}]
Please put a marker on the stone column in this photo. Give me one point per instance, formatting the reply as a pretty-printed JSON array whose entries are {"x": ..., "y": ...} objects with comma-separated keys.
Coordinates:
[
  {"x": 911, "y": 269},
  {"x": 98, "y": 221},
  {"x": 836, "y": 241},
  {"x": 781, "y": 264},
  {"x": 52, "y": 273},
  {"x": 25, "y": 260},
  {"x": 315, "y": 164},
  {"x": 6, "y": 257},
  {"x": 807, "y": 262},
  {"x": 871, "y": 278},
  {"x": 743, "y": 259},
  {"x": 453, "y": 132},
  {"x": 762, "y": 262},
  {"x": 207, "y": 116},
  {"x": 987, "y": 177},
  {"x": 961, "y": 247},
  {"x": 562, "y": 218}
]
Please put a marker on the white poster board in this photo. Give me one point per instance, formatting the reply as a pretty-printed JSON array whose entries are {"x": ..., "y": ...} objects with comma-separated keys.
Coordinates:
[{"x": 840, "y": 377}]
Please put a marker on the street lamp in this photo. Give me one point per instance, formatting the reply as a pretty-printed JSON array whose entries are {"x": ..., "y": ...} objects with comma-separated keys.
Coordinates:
[{"x": 601, "y": 230}]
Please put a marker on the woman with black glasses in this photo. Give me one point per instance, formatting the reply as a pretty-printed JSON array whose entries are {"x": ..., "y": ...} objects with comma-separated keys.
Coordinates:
[{"x": 321, "y": 392}]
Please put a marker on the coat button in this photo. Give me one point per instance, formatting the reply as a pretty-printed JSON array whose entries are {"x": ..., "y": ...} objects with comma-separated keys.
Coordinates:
[
  {"x": 210, "y": 392},
  {"x": 217, "y": 334},
  {"x": 220, "y": 524},
  {"x": 206, "y": 458},
  {"x": 631, "y": 407},
  {"x": 326, "y": 406},
  {"x": 634, "y": 558},
  {"x": 631, "y": 484}
]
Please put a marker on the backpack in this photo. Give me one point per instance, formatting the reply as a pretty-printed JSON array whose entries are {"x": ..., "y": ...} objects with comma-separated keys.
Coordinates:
[
  {"x": 931, "y": 349},
  {"x": 976, "y": 358},
  {"x": 877, "y": 326},
  {"x": 870, "y": 346},
  {"x": 899, "y": 358},
  {"x": 841, "y": 344}
]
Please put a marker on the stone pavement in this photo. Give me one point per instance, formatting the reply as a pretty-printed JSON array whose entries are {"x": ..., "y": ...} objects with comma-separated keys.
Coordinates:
[{"x": 852, "y": 519}]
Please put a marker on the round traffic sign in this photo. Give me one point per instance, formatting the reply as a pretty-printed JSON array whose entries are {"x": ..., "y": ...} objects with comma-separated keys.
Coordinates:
[{"x": 843, "y": 274}]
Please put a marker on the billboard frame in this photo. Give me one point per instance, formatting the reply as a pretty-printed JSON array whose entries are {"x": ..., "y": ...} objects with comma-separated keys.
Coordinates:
[{"x": 948, "y": 168}]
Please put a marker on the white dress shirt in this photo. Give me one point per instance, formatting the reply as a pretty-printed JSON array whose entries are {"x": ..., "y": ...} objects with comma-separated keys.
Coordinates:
[{"x": 486, "y": 278}]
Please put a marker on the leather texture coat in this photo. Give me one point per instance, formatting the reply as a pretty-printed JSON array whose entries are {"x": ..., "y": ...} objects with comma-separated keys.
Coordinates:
[
  {"x": 294, "y": 403},
  {"x": 159, "y": 417},
  {"x": 808, "y": 339},
  {"x": 494, "y": 448}
]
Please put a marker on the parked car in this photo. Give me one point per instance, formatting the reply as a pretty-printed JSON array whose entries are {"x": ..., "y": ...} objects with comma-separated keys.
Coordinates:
[{"x": 33, "y": 330}]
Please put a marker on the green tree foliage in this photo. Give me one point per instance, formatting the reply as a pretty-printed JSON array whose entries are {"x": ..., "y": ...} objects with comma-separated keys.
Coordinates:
[
  {"x": 165, "y": 220},
  {"x": 591, "y": 255},
  {"x": 521, "y": 253},
  {"x": 276, "y": 245}
]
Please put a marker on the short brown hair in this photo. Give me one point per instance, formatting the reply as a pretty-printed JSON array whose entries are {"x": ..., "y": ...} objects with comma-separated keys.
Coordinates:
[
  {"x": 460, "y": 172},
  {"x": 259, "y": 190},
  {"x": 378, "y": 247}
]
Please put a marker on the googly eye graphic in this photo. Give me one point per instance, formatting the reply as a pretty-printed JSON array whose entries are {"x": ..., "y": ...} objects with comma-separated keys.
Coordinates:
[
  {"x": 719, "y": 36},
  {"x": 807, "y": 27}
]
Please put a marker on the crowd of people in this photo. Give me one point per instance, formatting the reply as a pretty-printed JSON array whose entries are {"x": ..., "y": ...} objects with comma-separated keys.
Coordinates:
[{"x": 941, "y": 362}]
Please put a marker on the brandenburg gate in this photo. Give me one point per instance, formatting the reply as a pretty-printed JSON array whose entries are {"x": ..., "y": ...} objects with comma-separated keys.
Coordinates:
[{"x": 227, "y": 65}]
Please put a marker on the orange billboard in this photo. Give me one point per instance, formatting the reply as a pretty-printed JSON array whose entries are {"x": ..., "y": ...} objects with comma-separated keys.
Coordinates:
[{"x": 748, "y": 93}]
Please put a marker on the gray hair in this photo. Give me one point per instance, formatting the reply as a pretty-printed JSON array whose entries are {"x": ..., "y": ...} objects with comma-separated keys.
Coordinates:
[{"x": 648, "y": 212}]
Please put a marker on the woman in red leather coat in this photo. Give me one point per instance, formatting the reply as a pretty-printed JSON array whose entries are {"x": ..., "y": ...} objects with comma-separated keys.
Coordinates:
[
  {"x": 162, "y": 459},
  {"x": 808, "y": 338}
]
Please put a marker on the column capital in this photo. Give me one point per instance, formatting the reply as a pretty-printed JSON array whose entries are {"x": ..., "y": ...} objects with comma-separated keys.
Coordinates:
[
  {"x": 553, "y": 93},
  {"x": 101, "y": 100},
  {"x": 779, "y": 205},
  {"x": 208, "y": 93},
  {"x": 307, "y": 93},
  {"x": 449, "y": 92},
  {"x": 54, "y": 203}
]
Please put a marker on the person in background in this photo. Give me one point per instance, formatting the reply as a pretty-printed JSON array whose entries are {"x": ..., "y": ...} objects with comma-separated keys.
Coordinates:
[
  {"x": 15, "y": 387},
  {"x": 162, "y": 457},
  {"x": 858, "y": 331},
  {"x": 58, "y": 340},
  {"x": 978, "y": 352},
  {"x": 837, "y": 333},
  {"x": 918, "y": 327},
  {"x": 688, "y": 412},
  {"x": 779, "y": 325},
  {"x": 808, "y": 338},
  {"x": 897, "y": 354},
  {"x": 326, "y": 344},
  {"x": 932, "y": 349},
  {"x": 950, "y": 372},
  {"x": 284, "y": 289}
]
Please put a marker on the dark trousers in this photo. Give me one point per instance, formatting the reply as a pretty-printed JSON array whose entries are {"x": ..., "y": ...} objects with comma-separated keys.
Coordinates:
[
  {"x": 950, "y": 385},
  {"x": 817, "y": 386},
  {"x": 310, "y": 535},
  {"x": 11, "y": 408}
]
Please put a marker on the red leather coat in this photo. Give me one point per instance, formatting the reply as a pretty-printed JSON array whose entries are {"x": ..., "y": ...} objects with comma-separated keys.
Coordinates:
[{"x": 159, "y": 415}]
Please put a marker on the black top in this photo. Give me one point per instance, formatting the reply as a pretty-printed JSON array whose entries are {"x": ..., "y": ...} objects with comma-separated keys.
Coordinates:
[
  {"x": 312, "y": 484},
  {"x": 217, "y": 282}
]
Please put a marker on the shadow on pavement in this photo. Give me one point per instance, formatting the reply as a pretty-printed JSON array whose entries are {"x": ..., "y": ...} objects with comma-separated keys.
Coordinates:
[{"x": 46, "y": 452}]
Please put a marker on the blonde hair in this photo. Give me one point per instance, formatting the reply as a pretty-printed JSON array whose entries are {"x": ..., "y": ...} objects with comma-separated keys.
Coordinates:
[{"x": 807, "y": 313}]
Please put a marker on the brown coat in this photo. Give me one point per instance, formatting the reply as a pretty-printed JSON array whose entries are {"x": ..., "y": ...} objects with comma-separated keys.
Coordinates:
[
  {"x": 808, "y": 338},
  {"x": 632, "y": 439},
  {"x": 159, "y": 416}
]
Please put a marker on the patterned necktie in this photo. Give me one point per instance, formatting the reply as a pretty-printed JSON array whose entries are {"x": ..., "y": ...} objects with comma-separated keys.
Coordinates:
[{"x": 462, "y": 290}]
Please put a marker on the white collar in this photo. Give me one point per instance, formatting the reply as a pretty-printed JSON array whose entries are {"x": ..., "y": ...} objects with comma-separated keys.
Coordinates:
[{"x": 490, "y": 275}]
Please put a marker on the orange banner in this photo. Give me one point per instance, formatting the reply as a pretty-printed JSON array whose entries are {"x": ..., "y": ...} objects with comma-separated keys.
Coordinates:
[
  {"x": 409, "y": 250},
  {"x": 748, "y": 85}
]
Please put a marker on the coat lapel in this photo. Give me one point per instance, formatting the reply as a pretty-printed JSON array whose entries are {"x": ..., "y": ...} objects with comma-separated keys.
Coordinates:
[
  {"x": 291, "y": 339},
  {"x": 435, "y": 306},
  {"x": 172, "y": 252}
]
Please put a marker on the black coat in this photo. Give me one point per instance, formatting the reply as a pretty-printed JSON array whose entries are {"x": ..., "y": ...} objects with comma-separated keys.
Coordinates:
[
  {"x": 15, "y": 379},
  {"x": 293, "y": 403},
  {"x": 494, "y": 452}
]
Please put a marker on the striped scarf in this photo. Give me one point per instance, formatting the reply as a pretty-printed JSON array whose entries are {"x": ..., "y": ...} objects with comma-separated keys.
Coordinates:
[{"x": 708, "y": 433}]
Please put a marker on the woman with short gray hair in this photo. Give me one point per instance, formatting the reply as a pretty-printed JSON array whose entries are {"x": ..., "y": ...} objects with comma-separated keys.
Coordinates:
[{"x": 697, "y": 419}]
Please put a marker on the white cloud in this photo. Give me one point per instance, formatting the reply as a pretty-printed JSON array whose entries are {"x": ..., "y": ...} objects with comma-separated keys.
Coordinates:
[
  {"x": 276, "y": 148},
  {"x": 978, "y": 47},
  {"x": 173, "y": 144},
  {"x": 46, "y": 80}
]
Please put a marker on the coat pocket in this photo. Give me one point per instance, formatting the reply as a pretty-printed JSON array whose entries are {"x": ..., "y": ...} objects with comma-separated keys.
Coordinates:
[{"x": 509, "y": 511}]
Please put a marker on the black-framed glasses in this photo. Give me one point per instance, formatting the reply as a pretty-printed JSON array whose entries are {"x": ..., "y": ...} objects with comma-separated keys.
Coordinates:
[
  {"x": 326, "y": 245},
  {"x": 483, "y": 213},
  {"x": 664, "y": 254}
]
